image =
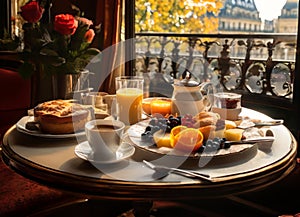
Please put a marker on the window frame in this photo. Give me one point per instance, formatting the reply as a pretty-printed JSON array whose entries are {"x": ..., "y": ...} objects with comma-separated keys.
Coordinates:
[{"x": 130, "y": 22}]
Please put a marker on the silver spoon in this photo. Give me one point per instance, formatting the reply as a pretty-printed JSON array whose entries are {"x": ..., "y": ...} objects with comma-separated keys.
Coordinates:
[{"x": 162, "y": 171}]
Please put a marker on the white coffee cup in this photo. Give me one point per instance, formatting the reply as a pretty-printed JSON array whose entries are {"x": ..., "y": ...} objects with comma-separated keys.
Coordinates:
[
  {"x": 93, "y": 98},
  {"x": 110, "y": 100},
  {"x": 104, "y": 137}
]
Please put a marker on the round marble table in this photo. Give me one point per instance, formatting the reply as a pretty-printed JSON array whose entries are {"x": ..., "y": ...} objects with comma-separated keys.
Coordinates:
[{"x": 52, "y": 161}]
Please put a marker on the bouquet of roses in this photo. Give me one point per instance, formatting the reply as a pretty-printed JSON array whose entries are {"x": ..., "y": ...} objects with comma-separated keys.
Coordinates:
[{"x": 62, "y": 46}]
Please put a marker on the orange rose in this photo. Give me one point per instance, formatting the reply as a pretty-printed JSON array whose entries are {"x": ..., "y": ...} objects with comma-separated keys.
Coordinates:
[
  {"x": 32, "y": 12},
  {"x": 89, "y": 35},
  {"x": 65, "y": 24},
  {"x": 85, "y": 21}
]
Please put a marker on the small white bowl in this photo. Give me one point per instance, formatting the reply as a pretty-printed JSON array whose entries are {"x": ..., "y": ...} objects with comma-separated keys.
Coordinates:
[{"x": 228, "y": 114}]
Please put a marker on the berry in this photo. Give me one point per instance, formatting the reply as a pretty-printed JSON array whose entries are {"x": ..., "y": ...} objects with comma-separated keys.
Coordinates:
[
  {"x": 188, "y": 120},
  {"x": 215, "y": 144},
  {"x": 148, "y": 128},
  {"x": 147, "y": 136},
  {"x": 155, "y": 129}
]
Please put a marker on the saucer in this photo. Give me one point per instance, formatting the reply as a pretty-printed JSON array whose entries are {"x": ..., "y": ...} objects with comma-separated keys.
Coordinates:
[
  {"x": 84, "y": 151},
  {"x": 21, "y": 127}
]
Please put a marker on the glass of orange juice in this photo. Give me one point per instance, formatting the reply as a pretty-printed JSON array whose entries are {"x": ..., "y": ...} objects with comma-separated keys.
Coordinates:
[{"x": 129, "y": 96}]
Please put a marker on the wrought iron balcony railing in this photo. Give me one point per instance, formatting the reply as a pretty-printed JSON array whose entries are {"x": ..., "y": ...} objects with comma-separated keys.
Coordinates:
[{"x": 260, "y": 64}]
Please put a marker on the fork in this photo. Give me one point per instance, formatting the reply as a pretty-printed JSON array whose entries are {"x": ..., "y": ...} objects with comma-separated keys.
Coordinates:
[
  {"x": 164, "y": 171},
  {"x": 262, "y": 124}
]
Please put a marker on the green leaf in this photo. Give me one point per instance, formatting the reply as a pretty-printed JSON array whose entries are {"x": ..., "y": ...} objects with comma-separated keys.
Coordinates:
[
  {"x": 92, "y": 51},
  {"x": 96, "y": 59},
  {"x": 48, "y": 52},
  {"x": 57, "y": 61}
]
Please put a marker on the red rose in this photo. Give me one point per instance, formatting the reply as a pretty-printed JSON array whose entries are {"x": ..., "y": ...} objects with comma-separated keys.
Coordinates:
[
  {"x": 32, "y": 12},
  {"x": 65, "y": 24},
  {"x": 89, "y": 35}
]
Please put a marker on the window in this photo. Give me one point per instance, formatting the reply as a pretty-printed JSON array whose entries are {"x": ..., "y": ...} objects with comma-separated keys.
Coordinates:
[{"x": 239, "y": 48}]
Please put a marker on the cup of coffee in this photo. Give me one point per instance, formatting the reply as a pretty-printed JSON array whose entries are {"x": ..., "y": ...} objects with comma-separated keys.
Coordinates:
[{"x": 104, "y": 137}]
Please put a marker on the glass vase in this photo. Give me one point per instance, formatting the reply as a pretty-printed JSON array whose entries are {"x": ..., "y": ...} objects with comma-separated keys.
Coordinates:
[{"x": 65, "y": 86}]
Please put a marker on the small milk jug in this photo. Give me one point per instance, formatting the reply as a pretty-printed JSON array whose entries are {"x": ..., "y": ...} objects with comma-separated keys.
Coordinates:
[{"x": 189, "y": 97}]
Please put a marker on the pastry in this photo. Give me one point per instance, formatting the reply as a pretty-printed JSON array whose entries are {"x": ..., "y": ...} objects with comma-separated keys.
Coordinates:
[
  {"x": 205, "y": 114},
  {"x": 60, "y": 116},
  {"x": 206, "y": 118},
  {"x": 208, "y": 123}
]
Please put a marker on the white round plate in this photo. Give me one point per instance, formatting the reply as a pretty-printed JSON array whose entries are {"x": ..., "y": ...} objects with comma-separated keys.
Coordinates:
[
  {"x": 150, "y": 151},
  {"x": 21, "y": 127},
  {"x": 84, "y": 151}
]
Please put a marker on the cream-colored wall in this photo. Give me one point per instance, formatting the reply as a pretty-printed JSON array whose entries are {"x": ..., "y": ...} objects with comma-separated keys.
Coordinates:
[
  {"x": 235, "y": 22},
  {"x": 286, "y": 25}
]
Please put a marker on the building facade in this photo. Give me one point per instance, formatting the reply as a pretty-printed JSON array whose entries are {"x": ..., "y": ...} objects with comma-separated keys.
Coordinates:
[
  {"x": 287, "y": 22},
  {"x": 239, "y": 16},
  {"x": 242, "y": 16}
]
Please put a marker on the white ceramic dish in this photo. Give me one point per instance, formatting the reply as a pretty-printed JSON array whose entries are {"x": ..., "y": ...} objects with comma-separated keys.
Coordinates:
[
  {"x": 84, "y": 151},
  {"x": 21, "y": 127}
]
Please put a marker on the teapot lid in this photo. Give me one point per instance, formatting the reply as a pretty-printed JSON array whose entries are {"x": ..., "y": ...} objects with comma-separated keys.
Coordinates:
[{"x": 187, "y": 82}]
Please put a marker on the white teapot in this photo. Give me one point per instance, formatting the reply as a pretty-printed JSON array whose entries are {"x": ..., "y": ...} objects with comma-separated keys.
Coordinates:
[{"x": 189, "y": 97}]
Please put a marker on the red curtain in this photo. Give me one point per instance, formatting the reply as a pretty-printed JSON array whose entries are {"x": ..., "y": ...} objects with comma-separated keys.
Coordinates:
[{"x": 109, "y": 14}]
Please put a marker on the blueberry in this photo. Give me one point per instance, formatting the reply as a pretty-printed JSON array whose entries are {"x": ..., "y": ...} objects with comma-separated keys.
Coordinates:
[
  {"x": 163, "y": 126},
  {"x": 226, "y": 145},
  {"x": 146, "y": 133},
  {"x": 162, "y": 120},
  {"x": 174, "y": 122},
  {"x": 208, "y": 147},
  {"x": 201, "y": 149},
  {"x": 170, "y": 117},
  {"x": 168, "y": 129},
  {"x": 150, "y": 137},
  {"x": 216, "y": 139},
  {"x": 153, "y": 121},
  {"x": 148, "y": 128},
  {"x": 179, "y": 119},
  {"x": 147, "y": 136},
  {"x": 215, "y": 145},
  {"x": 155, "y": 129},
  {"x": 209, "y": 141}
]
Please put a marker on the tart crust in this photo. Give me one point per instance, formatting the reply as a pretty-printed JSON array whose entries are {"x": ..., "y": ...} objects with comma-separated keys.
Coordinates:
[{"x": 60, "y": 116}]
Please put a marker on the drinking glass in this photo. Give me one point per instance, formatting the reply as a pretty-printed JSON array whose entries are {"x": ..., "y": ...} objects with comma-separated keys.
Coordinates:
[{"x": 129, "y": 96}]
